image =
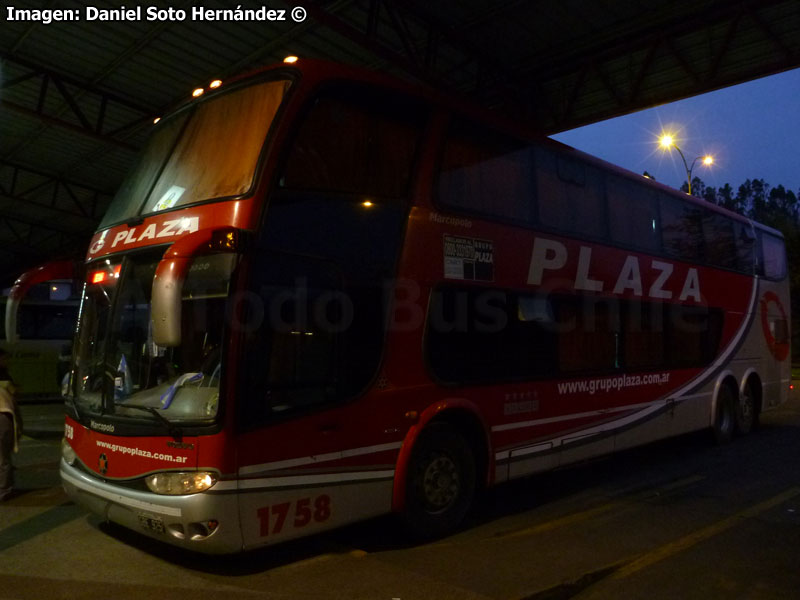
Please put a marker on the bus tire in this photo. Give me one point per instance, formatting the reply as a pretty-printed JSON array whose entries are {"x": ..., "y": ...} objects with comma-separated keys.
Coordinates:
[
  {"x": 725, "y": 416},
  {"x": 747, "y": 410},
  {"x": 440, "y": 485}
]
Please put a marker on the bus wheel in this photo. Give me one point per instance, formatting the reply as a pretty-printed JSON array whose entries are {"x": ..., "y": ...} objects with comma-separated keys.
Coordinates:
[
  {"x": 441, "y": 482},
  {"x": 746, "y": 410},
  {"x": 725, "y": 419}
]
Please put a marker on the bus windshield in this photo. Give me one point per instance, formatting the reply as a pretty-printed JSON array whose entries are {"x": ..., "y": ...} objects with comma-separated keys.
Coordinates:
[
  {"x": 118, "y": 368},
  {"x": 208, "y": 150}
]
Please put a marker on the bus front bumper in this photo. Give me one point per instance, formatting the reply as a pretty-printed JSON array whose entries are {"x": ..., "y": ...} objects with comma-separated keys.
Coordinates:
[{"x": 206, "y": 522}]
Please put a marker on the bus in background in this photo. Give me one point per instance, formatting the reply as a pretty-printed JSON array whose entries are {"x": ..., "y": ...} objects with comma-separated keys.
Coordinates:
[
  {"x": 323, "y": 295},
  {"x": 37, "y": 323}
]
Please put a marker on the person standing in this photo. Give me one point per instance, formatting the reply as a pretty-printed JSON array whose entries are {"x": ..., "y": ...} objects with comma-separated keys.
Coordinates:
[{"x": 10, "y": 428}]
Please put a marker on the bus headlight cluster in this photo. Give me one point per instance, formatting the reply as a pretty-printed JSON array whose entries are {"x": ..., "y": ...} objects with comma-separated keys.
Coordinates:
[
  {"x": 180, "y": 483},
  {"x": 67, "y": 453}
]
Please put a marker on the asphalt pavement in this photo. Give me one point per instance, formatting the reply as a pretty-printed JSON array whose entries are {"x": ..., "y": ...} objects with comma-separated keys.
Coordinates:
[{"x": 43, "y": 420}]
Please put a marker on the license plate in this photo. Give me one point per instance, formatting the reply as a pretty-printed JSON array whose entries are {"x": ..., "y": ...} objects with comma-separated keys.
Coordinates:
[{"x": 151, "y": 523}]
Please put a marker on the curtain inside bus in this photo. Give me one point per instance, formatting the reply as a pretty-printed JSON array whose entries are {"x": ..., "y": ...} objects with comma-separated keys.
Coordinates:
[{"x": 206, "y": 151}]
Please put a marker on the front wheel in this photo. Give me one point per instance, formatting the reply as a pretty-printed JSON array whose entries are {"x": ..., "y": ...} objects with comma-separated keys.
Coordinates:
[{"x": 441, "y": 482}]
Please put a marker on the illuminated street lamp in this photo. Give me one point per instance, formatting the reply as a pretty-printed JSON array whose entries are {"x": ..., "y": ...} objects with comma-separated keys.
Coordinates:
[{"x": 667, "y": 142}]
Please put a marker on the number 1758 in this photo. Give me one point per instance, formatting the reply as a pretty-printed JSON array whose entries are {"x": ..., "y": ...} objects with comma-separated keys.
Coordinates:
[{"x": 273, "y": 518}]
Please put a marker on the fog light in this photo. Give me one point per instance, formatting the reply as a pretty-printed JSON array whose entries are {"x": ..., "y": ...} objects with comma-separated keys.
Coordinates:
[
  {"x": 67, "y": 453},
  {"x": 179, "y": 483}
]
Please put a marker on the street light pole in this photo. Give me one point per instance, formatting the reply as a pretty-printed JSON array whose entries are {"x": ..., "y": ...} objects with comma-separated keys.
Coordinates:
[{"x": 667, "y": 142}]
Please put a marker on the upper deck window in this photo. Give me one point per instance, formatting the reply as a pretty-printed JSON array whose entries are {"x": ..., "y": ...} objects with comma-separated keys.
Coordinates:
[
  {"x": 571, "y": 196},
  {"x": 632, "y": 214},
  {"x": 206, "y": 151},
  {"x": 681, "y": 229},
  {"x": 720, "y": 241},
  {"x": 772, "y": 252},
  {"x": 355, "y": 141},
  {"x": 486, "y": 173}
]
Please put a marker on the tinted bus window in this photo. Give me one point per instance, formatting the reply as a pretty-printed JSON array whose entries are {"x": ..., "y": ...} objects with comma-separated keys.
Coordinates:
[
  {"x": 720, "y": 241},
  {"x": 325, "y": 254},
  {"x": 486, "y": 173},
  {"x": 632, "y": 214},
  {"x": 483, "y": 335},
  {"x": 589, "y": 338},
  {"x": 491, "y": 335},
  {"x": 773, "y": 256},
  {"x": 745, "y": 246},
  {"x": 570, "y": 195},
  {"x": 693, "y": 335},
  {"x": 353, "y": 141},
  {"x": 681, "y": 229},
  {"x": 643, "y": 335}
]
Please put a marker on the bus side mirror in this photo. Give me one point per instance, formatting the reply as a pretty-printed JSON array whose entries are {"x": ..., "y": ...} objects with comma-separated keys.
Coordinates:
[
  {"x": 166, "y": 300},
  {"x": 58, "y": 269},
  {"x": 171, "y": 272}
]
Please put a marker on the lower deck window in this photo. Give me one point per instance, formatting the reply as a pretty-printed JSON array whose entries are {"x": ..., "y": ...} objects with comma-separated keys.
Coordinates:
[{"x": 489, "y": 335}]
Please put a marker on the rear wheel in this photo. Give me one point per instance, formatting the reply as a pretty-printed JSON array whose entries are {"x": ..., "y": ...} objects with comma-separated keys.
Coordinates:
[
  {"x": 725, "y": 418},
  {"x": 746, "y": 410},
  {"x": 441, "y": 482}
]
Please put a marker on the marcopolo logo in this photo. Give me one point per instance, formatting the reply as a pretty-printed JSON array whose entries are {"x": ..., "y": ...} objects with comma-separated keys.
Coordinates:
[{"x": 105, "y": 427}]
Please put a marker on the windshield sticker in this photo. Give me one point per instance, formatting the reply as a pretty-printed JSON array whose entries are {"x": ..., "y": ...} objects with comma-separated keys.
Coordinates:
[
  {"x": 468, "y": 259},
  {"x": 169, "y": 199}
]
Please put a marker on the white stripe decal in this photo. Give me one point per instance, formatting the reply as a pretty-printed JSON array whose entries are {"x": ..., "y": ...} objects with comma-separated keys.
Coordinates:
[
  {"x": 305, "y": 480},
  {"x": 601, "y": 428},
  {"x": 722, "y": 358},
  {"x": 123, "y": 500},
  {"x": 570, "y": 417},
  {"x": 312, "y": 460}
]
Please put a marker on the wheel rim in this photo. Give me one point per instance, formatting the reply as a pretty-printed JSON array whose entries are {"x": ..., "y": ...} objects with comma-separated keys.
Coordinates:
[
  {"x": 441, "y": 483},
  {"x": 747, "y": 405}
]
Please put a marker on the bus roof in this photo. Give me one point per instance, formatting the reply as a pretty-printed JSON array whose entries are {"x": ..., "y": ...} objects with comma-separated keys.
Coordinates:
[{"x": 319, "y": 72}]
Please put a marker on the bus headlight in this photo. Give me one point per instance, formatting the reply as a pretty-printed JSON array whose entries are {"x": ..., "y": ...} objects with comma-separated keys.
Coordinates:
[
  {"x": 180, "y": 483},
  {"x": 67, "y": 453}
]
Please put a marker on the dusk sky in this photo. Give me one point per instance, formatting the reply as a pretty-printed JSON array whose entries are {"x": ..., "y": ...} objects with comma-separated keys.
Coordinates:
[{"x": 752, "y": 129}]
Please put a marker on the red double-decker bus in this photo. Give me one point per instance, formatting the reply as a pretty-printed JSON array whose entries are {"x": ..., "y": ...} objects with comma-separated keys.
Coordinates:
[{"x": 324, "y": 295}]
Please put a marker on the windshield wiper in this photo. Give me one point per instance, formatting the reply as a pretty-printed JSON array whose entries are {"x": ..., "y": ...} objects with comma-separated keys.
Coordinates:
[
  {"x": 173, "y": 429},
  {"x": 74, "y": 404}
]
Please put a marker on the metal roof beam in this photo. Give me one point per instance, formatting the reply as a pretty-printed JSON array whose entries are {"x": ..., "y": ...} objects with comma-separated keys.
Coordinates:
[
  {"x": 57, "y": 183},
  {"x": 69, "y": 101},
  {"x": 54, "y": 122},
  {"x": 662, "y": 35},
  {"x": 8, "y": 216},
  {"x": 39, "y": 70}
]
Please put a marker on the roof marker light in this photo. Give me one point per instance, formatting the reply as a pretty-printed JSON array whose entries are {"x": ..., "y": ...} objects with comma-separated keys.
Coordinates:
[
  {"x": 290, "y": 60},
  {"x": 215, "y": 84},
  {"x": 198, "y": 92}
]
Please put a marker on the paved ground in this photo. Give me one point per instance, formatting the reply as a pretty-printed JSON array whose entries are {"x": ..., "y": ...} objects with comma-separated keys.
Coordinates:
[{"x": 678, "y": 519}]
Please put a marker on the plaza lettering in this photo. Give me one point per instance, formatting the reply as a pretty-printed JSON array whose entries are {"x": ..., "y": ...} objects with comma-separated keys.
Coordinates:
[
  {"x": 552, "y": 256},
  {"x": 166, "y": 229}
]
